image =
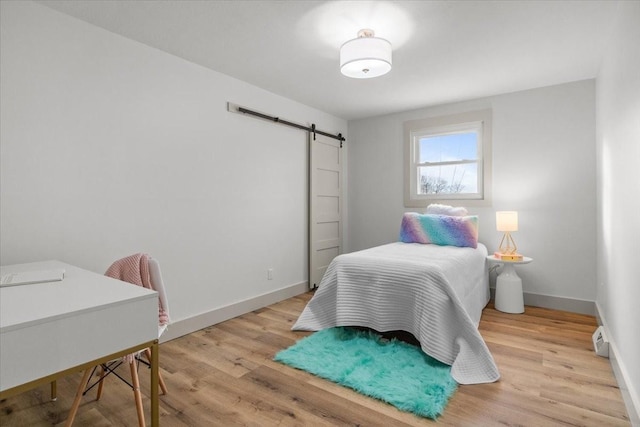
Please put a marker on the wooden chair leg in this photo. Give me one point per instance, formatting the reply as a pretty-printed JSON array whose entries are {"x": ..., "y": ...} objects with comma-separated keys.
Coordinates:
[
  {"x": 136, "y": 393},
  {"x": 163, "y": 386},
  {"x": 102, "y": 374},
  {"x": 54, "y": 390},
  {"x": 76, "y": 402}
]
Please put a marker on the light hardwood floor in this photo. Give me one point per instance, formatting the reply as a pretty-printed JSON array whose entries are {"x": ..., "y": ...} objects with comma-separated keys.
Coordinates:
[{"x": 224, "y": 376}]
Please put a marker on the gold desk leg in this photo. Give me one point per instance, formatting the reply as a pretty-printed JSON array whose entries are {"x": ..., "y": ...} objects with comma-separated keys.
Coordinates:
[{"x": 155, "y": 409}]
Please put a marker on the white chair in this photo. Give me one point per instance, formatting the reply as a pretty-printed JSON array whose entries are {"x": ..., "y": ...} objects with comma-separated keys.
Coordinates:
[{"x": 134, "y": 363}]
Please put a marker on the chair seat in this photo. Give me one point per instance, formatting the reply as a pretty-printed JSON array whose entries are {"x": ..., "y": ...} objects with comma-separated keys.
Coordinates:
[{"x": 162, "y": 329}]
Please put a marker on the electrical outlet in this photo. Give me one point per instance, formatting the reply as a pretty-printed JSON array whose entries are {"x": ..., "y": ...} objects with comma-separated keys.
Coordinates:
[{"x": 270, "y": 274}]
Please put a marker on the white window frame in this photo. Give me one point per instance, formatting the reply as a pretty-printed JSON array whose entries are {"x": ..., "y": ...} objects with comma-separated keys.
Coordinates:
[{"x": 479, "y": 121}]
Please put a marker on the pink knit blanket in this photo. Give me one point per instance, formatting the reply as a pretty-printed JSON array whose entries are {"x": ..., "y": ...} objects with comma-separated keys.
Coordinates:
[{"x": 135, "y": 269}]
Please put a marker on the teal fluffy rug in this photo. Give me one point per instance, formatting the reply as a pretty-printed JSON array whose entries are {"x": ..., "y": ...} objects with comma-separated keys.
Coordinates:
[{"x": 390, "y": 370}]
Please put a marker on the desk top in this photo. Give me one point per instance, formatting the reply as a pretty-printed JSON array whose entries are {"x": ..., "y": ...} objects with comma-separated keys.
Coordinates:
[{"x": 80, "y": 290}]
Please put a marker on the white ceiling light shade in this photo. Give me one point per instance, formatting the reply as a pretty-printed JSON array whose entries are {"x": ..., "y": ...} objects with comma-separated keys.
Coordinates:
[{"x": 366, "y": 56}]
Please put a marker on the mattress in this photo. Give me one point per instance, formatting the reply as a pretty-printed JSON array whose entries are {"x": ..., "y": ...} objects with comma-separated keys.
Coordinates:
[{"x": 436, "y": 293}]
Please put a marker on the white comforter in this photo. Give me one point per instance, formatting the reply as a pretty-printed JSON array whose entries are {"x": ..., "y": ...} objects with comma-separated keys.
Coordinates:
[{"x": 421, "y": 289}]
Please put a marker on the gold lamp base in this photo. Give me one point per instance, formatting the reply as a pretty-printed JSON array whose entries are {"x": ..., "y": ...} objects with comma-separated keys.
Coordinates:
[{"x": 508, "y": 249}]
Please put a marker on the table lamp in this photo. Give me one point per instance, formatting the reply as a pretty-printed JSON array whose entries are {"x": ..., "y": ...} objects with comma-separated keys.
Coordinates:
[{"x": 507, "y": 221}]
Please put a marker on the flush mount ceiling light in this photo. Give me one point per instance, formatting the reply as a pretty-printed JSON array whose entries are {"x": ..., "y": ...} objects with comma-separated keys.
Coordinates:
[{"x": 366, "y": 56}]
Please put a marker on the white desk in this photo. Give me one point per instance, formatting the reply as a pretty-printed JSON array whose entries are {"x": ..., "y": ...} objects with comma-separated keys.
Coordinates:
[{"x": 49, "y": 330}]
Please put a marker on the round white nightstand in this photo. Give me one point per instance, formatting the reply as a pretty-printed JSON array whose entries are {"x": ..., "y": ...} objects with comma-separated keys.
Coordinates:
[{"x": 509, "y": 286}]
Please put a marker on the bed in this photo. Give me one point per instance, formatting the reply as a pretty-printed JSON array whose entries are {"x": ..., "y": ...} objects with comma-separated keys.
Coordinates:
[{"x": 435, "y": 292}]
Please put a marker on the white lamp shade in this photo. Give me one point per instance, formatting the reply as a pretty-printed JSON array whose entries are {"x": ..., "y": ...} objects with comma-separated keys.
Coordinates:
[
  {"x": 365, "y": 57},
  {"x": 507, "y": 221}
]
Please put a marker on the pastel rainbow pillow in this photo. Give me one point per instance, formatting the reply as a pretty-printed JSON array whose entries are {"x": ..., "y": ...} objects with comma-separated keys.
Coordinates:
[{"x": 440, "y": 230}]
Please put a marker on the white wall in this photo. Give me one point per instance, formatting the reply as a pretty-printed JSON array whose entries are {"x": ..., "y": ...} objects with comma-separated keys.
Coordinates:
[
  {"x": 543, "y": 167},
  {"x": 110, "y": 147},
  {"x": 618, "y": 229}
]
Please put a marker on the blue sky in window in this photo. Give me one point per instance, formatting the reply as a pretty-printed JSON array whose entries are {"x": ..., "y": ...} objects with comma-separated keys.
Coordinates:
[
  {"x": 452, "y": 147},
  {"x": 442, "y": 148}
]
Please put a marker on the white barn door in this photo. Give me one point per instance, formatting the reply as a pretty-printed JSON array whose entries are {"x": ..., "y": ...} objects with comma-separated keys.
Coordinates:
[{"x": 325, "y": 205}]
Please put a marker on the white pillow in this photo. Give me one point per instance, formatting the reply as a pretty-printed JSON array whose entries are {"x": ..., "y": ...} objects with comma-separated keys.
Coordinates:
[{"x": 437, "y": 209}]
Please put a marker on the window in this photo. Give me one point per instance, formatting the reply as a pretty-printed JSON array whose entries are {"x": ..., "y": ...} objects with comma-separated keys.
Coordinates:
[{"x": 448, "y": 159}]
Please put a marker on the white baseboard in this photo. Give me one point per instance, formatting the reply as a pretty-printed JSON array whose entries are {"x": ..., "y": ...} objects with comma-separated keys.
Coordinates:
[
  {"x": 561, "y": 303},
  {"x": 630, "y": 395},
  {"x": 200, "y": 321},
  {"x": 557, "y": 303}
]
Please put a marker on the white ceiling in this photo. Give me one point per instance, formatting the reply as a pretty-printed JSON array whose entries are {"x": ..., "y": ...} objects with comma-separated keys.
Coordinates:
[{"x": 444, "y": 51}]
